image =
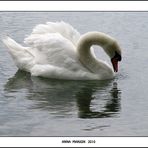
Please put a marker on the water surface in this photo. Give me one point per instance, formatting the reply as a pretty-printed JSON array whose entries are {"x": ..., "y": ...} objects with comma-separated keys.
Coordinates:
[{"x": 32, "y": 106}]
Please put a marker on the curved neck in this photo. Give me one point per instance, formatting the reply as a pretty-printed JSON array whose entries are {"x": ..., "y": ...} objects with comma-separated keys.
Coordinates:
[{"x": 84, "y": 52}]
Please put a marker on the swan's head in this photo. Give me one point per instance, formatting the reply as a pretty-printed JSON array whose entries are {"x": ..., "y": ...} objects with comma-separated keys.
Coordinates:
[{"x": 114, "y": 52}]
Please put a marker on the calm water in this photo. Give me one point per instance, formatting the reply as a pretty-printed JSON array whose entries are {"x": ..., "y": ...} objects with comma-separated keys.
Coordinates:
[{"x": 31, "y": 106}]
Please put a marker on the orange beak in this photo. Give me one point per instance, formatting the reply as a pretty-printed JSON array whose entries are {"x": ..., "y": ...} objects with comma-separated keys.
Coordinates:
[{"x": 115, "y": 64}]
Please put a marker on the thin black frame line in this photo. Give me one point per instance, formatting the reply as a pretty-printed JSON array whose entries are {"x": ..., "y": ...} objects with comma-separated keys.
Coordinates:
[
  {"x": 106, "y": 11},
  {"x": 76, "y": 136}
]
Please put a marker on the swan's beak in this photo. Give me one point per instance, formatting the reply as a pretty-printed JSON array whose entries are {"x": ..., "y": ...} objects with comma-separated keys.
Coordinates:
[
  {"x": 115, "y": 64},
  {"x": 115, "y": 61}
]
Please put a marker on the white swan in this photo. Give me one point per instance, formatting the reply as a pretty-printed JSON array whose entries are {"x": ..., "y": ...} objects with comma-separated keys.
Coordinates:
[{"x": 56, "y": 50}]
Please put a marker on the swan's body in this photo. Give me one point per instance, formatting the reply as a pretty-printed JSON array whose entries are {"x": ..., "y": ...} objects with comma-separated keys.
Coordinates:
[{"x": 56, "y": 50}]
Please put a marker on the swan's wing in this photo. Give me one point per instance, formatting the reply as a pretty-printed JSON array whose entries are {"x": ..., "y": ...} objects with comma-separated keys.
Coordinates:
[
  {"x": 54, "y": 49},
  {"x": 64, "y": 29}
]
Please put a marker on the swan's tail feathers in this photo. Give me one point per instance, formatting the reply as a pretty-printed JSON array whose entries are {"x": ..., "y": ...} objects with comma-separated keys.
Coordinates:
[
  {"x": 23, "y": 58},
  {"x": 11, "y": 44}
]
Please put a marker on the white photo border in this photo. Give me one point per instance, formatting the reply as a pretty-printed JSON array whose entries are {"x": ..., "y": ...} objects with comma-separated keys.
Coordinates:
[{"x": 73, "y": 5}]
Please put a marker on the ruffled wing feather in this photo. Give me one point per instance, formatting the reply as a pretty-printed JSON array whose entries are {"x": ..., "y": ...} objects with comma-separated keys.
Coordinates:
[{"x": 64, "y": 29}]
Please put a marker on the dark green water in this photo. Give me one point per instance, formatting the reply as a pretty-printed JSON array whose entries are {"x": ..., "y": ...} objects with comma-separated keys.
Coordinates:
[{"x": 31, "y": 106}]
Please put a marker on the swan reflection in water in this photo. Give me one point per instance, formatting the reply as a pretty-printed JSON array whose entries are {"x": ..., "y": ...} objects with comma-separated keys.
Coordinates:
[
  {"x": 111, "y": 106},
  {"x": 88, "y": 99}
]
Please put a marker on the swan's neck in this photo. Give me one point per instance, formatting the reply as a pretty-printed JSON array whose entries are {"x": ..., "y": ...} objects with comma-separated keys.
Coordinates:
[{"x": 85, "y": 55}]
